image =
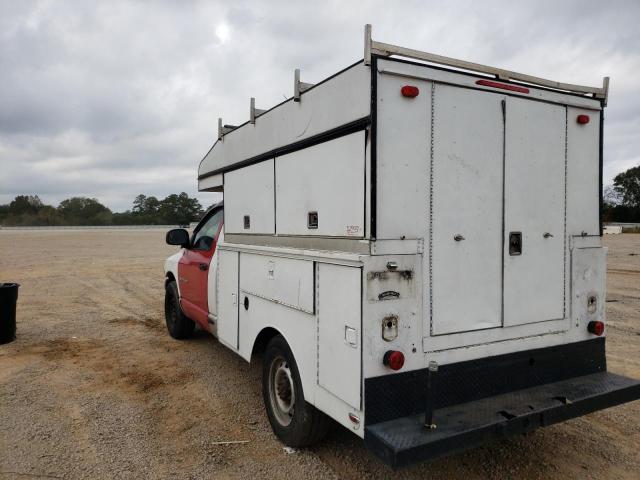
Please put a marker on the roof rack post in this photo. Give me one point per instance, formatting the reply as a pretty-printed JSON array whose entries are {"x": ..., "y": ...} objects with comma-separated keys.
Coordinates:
[
  {"x": 298, "y": 86},
  {"x": 253, "y": 111},
  {"x": 605, "y": 88},
  {"x": 367, "y": 44},
  {"x": 224, "y": 129}
]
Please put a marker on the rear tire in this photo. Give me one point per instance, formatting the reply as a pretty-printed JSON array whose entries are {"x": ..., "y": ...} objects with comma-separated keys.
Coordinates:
[
  {"x": 179, "y": 325},
  {"x": 294, "y": 421}
]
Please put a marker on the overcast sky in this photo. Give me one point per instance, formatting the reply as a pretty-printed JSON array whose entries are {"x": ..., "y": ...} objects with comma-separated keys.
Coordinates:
[{"x": 111, "y": 99}]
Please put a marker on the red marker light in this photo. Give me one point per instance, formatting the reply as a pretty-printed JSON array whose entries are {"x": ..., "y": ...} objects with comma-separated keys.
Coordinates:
[
  {"x": 596, "y": 327},
  {"x": 582, "y": 119},
  {"x": 409, "y": 91},
  {"x": 393, "y": 359},
  {"x": 504, "y": 86}
]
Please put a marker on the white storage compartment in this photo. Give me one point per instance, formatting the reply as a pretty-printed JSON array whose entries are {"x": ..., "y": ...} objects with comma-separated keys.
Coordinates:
[
  {"x": 249, "y": 199},
  {"x": 583, "y": 189},
  {"x": 466, "y": 245},
  {"x": 321, "y": 191},
  {"x": 285, "y": 281},
  {"x": 228, "y": 298},
  {"x": 534, "y": 209},
  {"x": 339, "y": 331},
  {"x": 404, "y": 138}
]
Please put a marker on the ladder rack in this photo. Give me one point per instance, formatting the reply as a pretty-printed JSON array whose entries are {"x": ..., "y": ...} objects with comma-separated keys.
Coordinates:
[{"x": 372, "y": 47}]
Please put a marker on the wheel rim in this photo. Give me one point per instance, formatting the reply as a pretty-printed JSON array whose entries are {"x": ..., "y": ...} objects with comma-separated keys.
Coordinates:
[{"x": 282, "y": 393}]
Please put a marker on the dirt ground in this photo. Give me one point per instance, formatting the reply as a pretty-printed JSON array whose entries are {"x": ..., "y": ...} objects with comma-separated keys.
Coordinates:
[{"x": 95, "y": 388}]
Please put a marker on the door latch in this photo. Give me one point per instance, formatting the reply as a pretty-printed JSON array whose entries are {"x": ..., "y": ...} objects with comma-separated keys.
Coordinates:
[{"x": 515, "y": 243}]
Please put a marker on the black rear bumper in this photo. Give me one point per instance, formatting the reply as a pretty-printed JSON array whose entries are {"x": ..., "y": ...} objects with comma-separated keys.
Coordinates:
[
  {"x": 492, "y": 397},
  {"x": 406, "y": 440}
]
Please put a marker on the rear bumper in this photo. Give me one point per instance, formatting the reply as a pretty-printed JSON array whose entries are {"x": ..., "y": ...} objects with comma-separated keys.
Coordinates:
[{"x": 402, "y": 441}]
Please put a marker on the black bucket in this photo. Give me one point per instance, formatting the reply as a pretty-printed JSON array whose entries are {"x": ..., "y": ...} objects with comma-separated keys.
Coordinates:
[{"x": 8, "y": 301}]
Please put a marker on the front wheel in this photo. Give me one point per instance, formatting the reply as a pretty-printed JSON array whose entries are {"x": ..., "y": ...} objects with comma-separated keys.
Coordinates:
[
  {"x": 294, "y": 421},
  {"x": 179, "y": 325}
]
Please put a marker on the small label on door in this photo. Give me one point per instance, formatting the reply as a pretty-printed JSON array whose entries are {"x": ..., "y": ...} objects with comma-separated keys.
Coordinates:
[{"x": 353, "y": 230}]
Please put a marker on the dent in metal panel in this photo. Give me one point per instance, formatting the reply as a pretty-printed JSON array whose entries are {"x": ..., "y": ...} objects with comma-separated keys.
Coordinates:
[
  {"x": 340, "y": 100},
  {"x": 285, "y": 281}
]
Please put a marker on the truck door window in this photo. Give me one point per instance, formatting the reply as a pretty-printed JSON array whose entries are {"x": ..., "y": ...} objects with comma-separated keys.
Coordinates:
[{"x": 206, "y": 233}]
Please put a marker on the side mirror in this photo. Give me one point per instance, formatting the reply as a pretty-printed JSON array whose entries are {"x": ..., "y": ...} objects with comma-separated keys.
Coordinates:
[{"x": 178, "y": 236}]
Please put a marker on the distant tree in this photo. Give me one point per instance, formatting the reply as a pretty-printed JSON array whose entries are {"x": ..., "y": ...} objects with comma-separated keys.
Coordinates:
[
  {"x": 143, "y": 205},
  {"x": 4, "y": 212},
  {"x": 151, "y": 206},
  {"x": 84, "y": 211},
  {"x": 180, "y": 209},
  {"x": 25, "y": 204},
  {"x": 48, "y": 216},
  {"x": 139, "y": 204},
  {"x": 627, "y": 186}
]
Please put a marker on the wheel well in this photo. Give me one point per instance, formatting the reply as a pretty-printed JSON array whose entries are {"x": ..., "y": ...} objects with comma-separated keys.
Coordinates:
[
  {"x": 263, "y": 339},
  {"x": 169, "y": 278}
]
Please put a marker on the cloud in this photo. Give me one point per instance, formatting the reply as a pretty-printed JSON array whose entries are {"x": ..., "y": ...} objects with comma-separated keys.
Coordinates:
[{"x": 119, "y": 98}]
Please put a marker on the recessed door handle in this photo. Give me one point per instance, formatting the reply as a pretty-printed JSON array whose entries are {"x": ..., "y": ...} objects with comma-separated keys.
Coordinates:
[
  {"x": 458, "y": 238},
  {"x": 203, "y": 266}
]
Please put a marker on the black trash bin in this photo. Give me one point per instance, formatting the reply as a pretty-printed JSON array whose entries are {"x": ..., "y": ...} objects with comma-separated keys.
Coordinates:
[{"x": 8, "y": 300}]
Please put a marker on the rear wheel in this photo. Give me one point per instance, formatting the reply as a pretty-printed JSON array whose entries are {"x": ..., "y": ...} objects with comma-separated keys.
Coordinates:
[
  {"x": 294, "y": 421},
  {"x": 179, "y": 325}
]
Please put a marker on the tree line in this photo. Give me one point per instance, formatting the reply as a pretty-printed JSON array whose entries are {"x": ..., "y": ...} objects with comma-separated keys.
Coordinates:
[
  {"x": 29, "y": 210},
  {"x": 622, "y": 199},
  {"x": 621, "y": 204}
]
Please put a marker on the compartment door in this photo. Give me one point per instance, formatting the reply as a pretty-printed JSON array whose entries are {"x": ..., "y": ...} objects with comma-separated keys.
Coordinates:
[
  {"x": 466, "y": 211},
  {"x": 320, "y": 190},
  {"x": 228, "y": 267},
  {"x": 534, "y": 271},
  {"x": 339, "y": 331}
]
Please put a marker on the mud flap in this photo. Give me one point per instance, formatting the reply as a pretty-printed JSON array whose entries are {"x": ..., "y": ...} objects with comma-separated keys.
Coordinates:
[{"x": 406, "y": 440}]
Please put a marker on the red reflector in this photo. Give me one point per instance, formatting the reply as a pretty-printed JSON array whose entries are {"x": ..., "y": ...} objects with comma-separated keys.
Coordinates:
[
  {"x": 393, "y": 359},
  {"x": 582, "y": 119},
  {"x": 409, "y": 91},
  {"x": 504, "y": 86},
  {"x": 354, "y": 418},
  {"x": 596, "y": 327}
]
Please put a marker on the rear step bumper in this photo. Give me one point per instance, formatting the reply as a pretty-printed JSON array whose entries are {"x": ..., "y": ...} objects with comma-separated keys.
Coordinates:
[{"x": 406, "y": 440}]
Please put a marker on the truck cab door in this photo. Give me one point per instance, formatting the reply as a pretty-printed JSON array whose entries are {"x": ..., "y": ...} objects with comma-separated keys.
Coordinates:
[{"x": 193, "y": 268}]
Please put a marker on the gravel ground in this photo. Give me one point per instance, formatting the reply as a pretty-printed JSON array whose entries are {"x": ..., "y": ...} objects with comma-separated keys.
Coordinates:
[{"x": 95, "y": 388}]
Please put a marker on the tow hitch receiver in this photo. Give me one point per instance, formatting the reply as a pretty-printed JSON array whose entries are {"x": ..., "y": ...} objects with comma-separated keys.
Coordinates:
[{"x": 405, "y": 440}]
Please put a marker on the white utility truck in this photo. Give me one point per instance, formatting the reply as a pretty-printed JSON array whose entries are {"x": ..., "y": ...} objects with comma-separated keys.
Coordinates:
[{"x": 415, "y": 248}]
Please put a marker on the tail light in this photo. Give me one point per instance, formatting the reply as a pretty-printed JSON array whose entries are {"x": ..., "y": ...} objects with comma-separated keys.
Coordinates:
[
  {"x": 393, "y": 359},
  {"x": 504, "y": 86},
  {"x": 409, "y": 91},
  {"x": 582, "y": 119},
  {"x": 596, "y": 327}
]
